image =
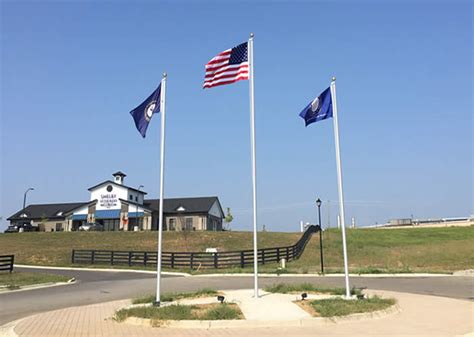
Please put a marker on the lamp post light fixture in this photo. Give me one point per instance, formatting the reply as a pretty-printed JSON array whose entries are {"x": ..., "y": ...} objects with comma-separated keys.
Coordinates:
[
  {"x": 318, "y": 203},
  {"x": 24, "y": 196},
  {"x": 136, "y": 204}
]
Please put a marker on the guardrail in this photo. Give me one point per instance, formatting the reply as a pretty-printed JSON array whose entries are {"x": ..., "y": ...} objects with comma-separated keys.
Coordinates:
[
  {"x": 194, "y": 260},
  {"x": 6, "y": 262}
]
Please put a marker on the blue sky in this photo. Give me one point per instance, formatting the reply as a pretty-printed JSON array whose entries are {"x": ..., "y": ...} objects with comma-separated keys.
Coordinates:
[{"x": 72, "y": 71}]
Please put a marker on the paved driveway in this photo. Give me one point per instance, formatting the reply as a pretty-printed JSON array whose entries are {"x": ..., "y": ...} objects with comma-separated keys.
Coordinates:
[
  {"x": 419, "y": 316},
  {"x": 97, "y": 287}
]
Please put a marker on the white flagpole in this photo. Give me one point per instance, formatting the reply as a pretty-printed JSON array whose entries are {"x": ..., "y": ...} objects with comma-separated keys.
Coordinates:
[
  {"x": 162, "y": 174},
  {"x": 339, "y": 183},
  {"x": 254, "y": 170}
]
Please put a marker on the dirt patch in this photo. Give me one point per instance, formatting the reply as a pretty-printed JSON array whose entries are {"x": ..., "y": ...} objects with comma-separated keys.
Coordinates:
[{"x": 306, "y": 306}]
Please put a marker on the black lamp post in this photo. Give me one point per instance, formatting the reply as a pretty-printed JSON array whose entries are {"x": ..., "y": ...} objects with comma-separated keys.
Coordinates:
[
  {"x": 318, "y": 203},
  {"x": 24, "y": 196}
]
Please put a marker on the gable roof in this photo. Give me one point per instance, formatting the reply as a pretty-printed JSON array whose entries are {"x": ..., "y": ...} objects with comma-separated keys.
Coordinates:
[
  {"x": 190, "y": 205},
  {"x": 171, "y": 206},
  {"x": 114, "y": 183},
  {"x": 49, "y": 211}
]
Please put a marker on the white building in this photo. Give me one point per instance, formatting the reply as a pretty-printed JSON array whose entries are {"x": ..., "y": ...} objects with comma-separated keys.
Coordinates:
[{"x": 119, "y": 207}]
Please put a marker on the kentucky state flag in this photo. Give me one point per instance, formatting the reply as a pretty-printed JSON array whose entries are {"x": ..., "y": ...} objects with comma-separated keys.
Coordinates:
[
  {"x": 142, "y": 114},
  {"x": 317, "y": 110}
]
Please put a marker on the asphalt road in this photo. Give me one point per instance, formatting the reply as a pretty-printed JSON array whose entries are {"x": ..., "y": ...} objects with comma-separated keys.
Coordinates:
[{"x": 96, "y": 286}]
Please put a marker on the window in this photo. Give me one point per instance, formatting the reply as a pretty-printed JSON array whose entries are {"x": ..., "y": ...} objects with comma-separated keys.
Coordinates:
[
  {"x": 111, "y": 224},
  {"x": 189, "y": 224},
  {"x": 130, "y": 197},
  {"x": 136, "y": 198},
  {"x": 59, "y": 227},
  {"x": 172, "y": 224}
]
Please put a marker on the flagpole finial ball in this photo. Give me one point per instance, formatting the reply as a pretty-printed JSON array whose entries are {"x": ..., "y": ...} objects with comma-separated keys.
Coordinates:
[
  {"x": 164, "y": 75},
  {"x": 251, "y": 35},
  {"x": 333, "y": 78}
]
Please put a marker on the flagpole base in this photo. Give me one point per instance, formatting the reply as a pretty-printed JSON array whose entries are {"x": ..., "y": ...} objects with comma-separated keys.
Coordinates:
[{"x": 156, "y": 303}]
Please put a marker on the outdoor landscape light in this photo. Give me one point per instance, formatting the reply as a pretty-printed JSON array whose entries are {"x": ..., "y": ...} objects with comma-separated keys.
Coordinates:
[
  {"x": 304, "y": 296},
  {"x": 220, "y": 298}
]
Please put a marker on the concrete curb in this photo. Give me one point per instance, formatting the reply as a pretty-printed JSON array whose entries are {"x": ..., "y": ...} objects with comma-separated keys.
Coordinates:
[
  {"x": 308, "y": 322},
  {"x": 459, "y": 273},
  {"x": 8, "y": 330},
  {"x": 467, "y": 272},
  {"x": 103, "y": 269},
  {"x": 38, "y": 286},
  {"x": 322, "y": 276}
]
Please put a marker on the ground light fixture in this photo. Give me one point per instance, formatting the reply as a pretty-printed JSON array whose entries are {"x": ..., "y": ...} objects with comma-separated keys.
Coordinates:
[
  {"x": 304, "y": 296},
  {"x": 220, "y": 298}
]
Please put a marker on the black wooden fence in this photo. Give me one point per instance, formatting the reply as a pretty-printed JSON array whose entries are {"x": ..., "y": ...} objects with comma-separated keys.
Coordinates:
[
  {"x": 193, "y": 260},
  {"x": 6, "y": 262}
]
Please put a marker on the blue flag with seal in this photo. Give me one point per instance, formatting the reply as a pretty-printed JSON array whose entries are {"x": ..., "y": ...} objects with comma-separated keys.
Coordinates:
[
  {"x": 317, "y": 110},
  {"x": 142, "y": 114}
]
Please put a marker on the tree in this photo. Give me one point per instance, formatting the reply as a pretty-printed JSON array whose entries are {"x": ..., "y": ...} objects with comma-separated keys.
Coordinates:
[
  {"x": 43, "y": 221},
  {"x": 228, "y": 218}
]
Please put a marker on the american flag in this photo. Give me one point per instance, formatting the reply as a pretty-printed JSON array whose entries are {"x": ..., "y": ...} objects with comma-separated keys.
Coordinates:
[{"x": 230, "y": 66}]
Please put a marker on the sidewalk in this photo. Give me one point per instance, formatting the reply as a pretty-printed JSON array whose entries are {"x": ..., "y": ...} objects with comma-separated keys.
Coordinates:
[{"x": 420, "y": 315}]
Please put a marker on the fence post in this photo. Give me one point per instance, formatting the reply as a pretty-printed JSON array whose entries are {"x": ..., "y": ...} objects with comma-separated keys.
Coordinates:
[
  {"x": 72, "y": 257},
  {"x": 294, "y": 252},
  {"x": 215, "y": 260},
  {"x": 287, "y": 253},
  {"x": 129, "y": 258},
  {"x": 145, "y": 258},
  {"x": 12, "y": 263},
  {"x": 263, "y": 256},
  {"x": 93, "y": 257},
  {"x": 172, "y": 260},
  {"x": 242, "y": 260},
  {"x": 192, "y": 260}
]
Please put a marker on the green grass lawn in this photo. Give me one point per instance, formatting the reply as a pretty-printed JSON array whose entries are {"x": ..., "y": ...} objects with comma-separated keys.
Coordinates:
[
  {"x": 369, "y": 250},
  {"x": 17, "y": 280},
  {"x": 169, "y": 297},
  {"x": 340, "y": 307},
  {"x": 283, "y": 288},
  {"x": 215, "y": 311}
]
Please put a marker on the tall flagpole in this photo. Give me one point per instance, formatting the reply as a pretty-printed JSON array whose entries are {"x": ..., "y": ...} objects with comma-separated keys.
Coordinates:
[
  {"x": 162, "y": 174},
  {"x": 339, "y": 184},
  {"x": 254, "y": 170}
]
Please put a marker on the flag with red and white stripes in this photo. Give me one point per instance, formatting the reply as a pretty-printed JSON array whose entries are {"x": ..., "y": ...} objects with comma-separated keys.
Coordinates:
[{"x": 230, "y": 66}]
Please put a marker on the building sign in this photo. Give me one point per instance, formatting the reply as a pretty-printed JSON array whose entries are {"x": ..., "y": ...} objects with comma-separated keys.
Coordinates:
[{"x": 108, "y": 200}]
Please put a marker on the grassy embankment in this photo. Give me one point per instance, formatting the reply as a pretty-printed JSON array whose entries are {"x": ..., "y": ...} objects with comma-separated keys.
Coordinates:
[
  {"x": 370, "y": 250},
  {"x": 17, "y": 280}
]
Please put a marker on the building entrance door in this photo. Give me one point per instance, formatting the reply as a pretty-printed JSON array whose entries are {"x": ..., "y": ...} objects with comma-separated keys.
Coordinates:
[{"x": 109, "y": 224}]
